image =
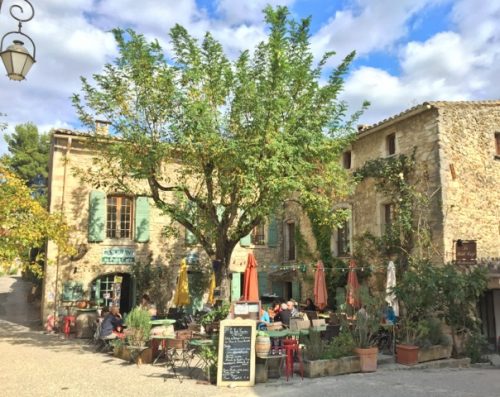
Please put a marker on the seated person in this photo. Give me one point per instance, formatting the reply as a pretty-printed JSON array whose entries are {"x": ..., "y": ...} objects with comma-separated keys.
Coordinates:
[
  {"x": 291, "y": 306},
  {"x": 112, "y": 325},
  {"x": 284, "y": 315},
  {"x": 274, "y": 310},
  {"x": 147, "y": 305},
  {"x": 310, "y": 306},
  {"x": 265, "y": 320}
]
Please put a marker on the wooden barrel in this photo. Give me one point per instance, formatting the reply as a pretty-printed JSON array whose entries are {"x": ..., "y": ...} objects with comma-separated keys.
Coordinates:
[{"x": 262, "y": 345}]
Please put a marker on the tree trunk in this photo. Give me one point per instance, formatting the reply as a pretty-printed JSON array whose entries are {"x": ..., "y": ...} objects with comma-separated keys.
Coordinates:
[{"x": 223, "y": 275}]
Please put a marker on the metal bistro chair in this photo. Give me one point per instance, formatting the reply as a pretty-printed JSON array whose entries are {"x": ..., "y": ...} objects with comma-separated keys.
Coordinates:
[{"x": 177, "y": 355}]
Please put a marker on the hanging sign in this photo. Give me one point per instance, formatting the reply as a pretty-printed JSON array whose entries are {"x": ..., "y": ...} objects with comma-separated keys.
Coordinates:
[
  {"x": 118, "y": 256},
  {"x": 466, "y": 252}
]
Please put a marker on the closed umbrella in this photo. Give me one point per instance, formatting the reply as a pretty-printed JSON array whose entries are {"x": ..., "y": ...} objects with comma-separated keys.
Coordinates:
[
  {"x": 182, "y": 291},
  {"x": 211, "y": 289},
  {"x": 390, "y": 297},
  {"x": 353, "y": 286},
  {"x": 251, "y": 282},
  {"x": 320, "y": 294}
]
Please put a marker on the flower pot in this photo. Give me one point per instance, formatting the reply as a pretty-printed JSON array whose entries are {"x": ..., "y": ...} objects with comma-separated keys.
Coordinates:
[
  {"x": 367, "y": 358},
  {"x": 262, "y": 345},
  {"x": 407, "y": 354}
]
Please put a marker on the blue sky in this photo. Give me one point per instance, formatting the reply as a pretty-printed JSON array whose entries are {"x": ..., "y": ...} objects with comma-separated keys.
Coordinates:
[{"x": 409, "y": 51}]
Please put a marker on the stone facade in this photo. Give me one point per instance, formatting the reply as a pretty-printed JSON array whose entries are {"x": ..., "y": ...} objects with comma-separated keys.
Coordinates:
[{"x": 69, "y": 195}]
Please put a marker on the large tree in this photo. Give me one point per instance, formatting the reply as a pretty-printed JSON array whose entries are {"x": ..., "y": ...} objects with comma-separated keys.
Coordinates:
[
  {"x": 29, "y": 158},
  {"x": 24, "y": 223},
  {"x": 249, "y": 133}
]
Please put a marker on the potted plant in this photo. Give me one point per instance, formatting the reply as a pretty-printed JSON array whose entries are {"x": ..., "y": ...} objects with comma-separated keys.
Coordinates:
[
  {"x": 364, "y": 327},
  {"x": 210, "y": 321},
  {"x": 138, "y": 324},
  {"x": 412, "y": 331}
]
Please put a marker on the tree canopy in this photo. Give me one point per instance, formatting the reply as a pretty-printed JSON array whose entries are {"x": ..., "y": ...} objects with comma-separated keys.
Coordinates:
[
  {"x": 29, "y": 158},
  {"x": 24, "y": 223},
  {"x": 249, "y": 133}
]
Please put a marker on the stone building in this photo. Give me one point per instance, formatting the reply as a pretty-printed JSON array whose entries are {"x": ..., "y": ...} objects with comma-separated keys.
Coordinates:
[
  {"x": 114, "y": 231},
  {"x": 457, "y": 166}
]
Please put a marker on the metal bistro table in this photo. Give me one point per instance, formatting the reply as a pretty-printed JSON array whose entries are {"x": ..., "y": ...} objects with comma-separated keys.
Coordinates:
[{"x": 159, "y": 337}]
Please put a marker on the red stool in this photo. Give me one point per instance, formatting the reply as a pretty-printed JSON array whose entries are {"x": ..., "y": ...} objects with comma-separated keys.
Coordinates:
[
  {"x": 68, "y": 320},
  {"x": 292, "y": 348}
]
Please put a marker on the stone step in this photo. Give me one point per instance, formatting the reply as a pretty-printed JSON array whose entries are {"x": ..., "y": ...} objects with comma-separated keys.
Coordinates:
[{"x": 446, "y": 363}]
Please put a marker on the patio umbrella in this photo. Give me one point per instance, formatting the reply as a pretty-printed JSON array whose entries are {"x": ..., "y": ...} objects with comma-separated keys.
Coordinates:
[
  {"x": 211, "y": 289},
  {"x": 320, "y": 294},
  {"x": 353, "y": 286},
  {"x": 390, "y": 297},
  {"x": 251, "y": 283},
  {"x": 182, "y": 290}
]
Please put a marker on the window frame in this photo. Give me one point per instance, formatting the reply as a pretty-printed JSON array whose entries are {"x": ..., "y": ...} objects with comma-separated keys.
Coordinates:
[
  {"x": 343, "y": 240},
  {"x": 390, "y": 144},
  {"x": 256, "y": 238},
  {"x": 119, "y": 230},
  {"x": 290, "y": 247}
]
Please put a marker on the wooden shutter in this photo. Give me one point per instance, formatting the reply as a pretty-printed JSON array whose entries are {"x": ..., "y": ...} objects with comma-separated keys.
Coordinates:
[
  {"x": 236, "y": 287},
  {"x": 272, "y": 232},
  {"x": 97, "y": 216},
  {"x": 296, "y": 291},
  {"x": 142, "y": 220},
  {"x": 262, "y": 277}
]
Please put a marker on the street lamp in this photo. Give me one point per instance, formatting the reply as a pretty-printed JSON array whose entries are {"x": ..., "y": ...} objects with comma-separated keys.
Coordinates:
[{"x": 16, "y": 58}]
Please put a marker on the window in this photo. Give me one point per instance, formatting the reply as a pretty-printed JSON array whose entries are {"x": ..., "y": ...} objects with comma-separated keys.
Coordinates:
[
  {"x": 347, "y": 158},
  {"x": 119, "y": 217},
  {"x": 497, "y": 144},
  {"x": 344, "y": 240},
  {"x": 391, "y": 144},
  {"x": 387, "y": 216},
  {"x": 258, "y": 234},
  {"x": 290, "y": 241}
]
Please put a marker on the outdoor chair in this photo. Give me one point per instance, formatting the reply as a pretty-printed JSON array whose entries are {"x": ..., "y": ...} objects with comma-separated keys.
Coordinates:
[{"x": 177, "y": 355}]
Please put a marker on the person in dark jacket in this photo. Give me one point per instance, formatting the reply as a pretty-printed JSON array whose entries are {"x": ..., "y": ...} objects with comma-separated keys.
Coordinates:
[
  {"x": 284, "y": 315},
  {"x": 112, "y": 325}
]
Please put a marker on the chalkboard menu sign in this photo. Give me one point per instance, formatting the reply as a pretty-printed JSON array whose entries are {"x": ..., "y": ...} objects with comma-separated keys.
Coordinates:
[{"x": 236, "y": 365}]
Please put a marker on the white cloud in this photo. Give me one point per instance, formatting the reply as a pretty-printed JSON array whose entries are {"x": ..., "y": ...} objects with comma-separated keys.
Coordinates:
[
  {"x": 452, "y": 65},
  {"x": 238, "y": 12},
  {"x": 366, "y": 26}
]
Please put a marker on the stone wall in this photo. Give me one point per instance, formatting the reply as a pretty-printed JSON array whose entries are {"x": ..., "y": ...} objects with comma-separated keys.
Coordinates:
[
  {"x": 69, "y": 195},
  {"x": 417, "y": 133},
  {"x": 470, "y": 176}
]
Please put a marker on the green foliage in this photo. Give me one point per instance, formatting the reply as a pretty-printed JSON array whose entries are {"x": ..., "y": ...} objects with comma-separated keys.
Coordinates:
[
  {"x": 216, "y": 314},
  {"x": 341, "y": 346},
  {"x": 138, "y": 326},
  {"x": 367, "y": 321},
  {"x": 475, "y": 346},
  {"x": 29, "y": 158},
  {"x": 434, "y": 333},
  {"x": 24, "y": 224},
  {"x": 251, "y": 133},
  {"x": 157, "y": 280},
  {"x": 314, "y": 346}
]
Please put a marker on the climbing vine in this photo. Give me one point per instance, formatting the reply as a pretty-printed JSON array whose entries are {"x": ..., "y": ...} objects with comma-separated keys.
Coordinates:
[{"x": 394, "y": 177}]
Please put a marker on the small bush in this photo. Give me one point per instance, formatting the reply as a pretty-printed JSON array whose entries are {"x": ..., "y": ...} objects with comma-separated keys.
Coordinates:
[
  {"x": 475, "y": 345},
  {"x": 341, "y": 346}
]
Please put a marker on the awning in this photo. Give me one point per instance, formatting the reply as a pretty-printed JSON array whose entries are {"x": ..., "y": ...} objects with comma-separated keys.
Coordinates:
[{"x": 286, "y": 275}]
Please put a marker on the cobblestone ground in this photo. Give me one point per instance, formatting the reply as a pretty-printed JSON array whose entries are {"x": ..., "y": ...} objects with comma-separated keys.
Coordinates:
[{"x": 35, "y": 364}]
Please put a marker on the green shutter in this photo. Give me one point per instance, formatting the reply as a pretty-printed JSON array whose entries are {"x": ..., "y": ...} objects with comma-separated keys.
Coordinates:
[
  {"x": 272, "y": 232},
  {"x": 262, "y": 277},
  {"x": 236, "y": 287},
  {"x": 97, "y": 216},
  {"x": 142, "y": 220},
  {"x": 99, "y": 301},
  {"x": 296, "y": 291}
]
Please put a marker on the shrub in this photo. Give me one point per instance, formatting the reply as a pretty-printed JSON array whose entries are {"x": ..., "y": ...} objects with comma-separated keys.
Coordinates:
[
  {"x": 475, "y": 345},
  {"x": 139, "y": 326},
  {"x": 341, "y": 346}
]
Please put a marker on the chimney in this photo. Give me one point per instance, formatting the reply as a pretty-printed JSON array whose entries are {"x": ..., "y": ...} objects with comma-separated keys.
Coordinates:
[
  {"x": 362, "y": 127},
  {"x": 102, "y": 127}
]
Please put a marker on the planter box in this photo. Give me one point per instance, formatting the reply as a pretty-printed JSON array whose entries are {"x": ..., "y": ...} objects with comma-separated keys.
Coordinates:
[
  {"x": 339, "y": 366},
  {"x": 144, "y": 357},
  {"x": 436, "y": 352}
]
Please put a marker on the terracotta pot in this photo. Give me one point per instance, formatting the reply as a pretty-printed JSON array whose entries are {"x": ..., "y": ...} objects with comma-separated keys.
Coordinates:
[
  {"x": 407, "y": 354},
  {"x": 81, "y": 304},
  {"x": 367, "y": 358}
]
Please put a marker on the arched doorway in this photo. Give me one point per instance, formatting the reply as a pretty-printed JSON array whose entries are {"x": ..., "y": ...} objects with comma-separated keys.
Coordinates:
[{"x": 105, "y": 288}]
